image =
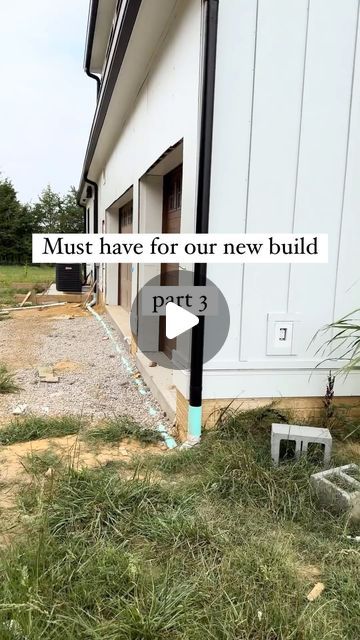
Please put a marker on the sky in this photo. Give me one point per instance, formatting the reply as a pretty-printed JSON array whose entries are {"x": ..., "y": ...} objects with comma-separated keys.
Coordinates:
[{"x": 46, "y": 99}]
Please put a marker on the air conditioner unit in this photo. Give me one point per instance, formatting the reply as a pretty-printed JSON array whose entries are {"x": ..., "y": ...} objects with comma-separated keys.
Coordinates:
[{"x": 69, "y": 278}]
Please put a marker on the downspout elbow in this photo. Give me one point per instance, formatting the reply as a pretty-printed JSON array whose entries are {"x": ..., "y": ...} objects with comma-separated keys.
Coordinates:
[{"x": 97, "y": 79}]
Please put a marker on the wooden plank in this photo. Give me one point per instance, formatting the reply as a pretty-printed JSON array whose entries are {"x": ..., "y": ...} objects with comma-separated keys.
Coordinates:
[
  {"x": 26, "y": 298},
  {"x": 68, "y": 297},
  {"x": 89, "y": 295}
]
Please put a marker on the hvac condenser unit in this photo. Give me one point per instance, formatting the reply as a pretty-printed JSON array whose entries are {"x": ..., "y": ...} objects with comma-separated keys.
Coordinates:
[{"x": 69, "y": 278}]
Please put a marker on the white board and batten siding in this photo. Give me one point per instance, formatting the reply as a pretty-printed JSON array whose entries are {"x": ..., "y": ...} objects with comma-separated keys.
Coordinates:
[{"x": 286, "y": 159}]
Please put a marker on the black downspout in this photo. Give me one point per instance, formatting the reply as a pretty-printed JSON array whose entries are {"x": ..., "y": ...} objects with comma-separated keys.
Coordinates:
[
  {"x": 96, "y": 225},
  {"x": 92, "y": 25},
  {"x": 96, "y": 201},
  {"x": 83, "y": 207},
  {"x": 202, "y": 209},
  {"x": 98, "y": 81}
]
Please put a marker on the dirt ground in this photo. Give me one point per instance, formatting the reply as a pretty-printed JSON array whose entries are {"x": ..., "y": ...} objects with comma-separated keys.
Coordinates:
[
  {"x": 15, "y": 472},
  {"x": 92, "y": 382}
]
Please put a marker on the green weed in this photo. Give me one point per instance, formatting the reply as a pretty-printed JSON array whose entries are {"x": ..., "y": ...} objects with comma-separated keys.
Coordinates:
[
  {"x": 7, "y": 383},
  {"x": 38, "y": 462},
  {"x": 117, "y": 429},
  {"x": 35, "y": 428}
]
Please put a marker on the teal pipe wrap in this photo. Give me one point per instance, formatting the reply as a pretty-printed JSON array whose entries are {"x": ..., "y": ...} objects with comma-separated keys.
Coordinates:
[{"x": 194, "y": 422}]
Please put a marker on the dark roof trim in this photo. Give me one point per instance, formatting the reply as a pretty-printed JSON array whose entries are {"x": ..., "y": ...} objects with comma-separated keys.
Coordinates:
[{"x": 130, "y": 14}]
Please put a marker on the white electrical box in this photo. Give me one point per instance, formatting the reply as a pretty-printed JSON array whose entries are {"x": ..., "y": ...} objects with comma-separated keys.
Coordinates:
[{"x": 282, "y": 334}]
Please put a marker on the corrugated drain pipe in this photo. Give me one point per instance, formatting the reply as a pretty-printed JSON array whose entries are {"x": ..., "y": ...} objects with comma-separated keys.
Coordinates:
[{"x": 202, "y": 211}]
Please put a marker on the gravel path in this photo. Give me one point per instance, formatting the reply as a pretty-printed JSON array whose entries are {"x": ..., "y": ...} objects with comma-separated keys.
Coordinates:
[{"x": 93, "y": 380}]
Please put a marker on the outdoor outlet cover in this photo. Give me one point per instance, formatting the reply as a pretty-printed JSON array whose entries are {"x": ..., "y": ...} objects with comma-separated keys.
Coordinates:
[{"x": 281, "y": 334}]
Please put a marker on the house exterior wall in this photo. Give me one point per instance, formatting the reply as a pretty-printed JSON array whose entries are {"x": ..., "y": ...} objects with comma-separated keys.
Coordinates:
[
  {"x": 286, "y": 149},
  {"x": 285, "y": 155},
  {"x": 165, "y": 112}
]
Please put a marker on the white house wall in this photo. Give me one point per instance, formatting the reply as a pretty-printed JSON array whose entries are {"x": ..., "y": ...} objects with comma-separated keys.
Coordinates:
[
  {"x": 286, "y": 156},
  {"x": 286, "y": 153},
  {"x": 166, "y": 110}
]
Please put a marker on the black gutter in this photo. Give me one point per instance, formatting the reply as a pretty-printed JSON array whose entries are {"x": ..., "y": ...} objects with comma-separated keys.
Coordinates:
[
  {"x": 84, "y": 214},
  {"x": 96, "y": 203},
  {"x": 203, "y": 193},
  {"x": 83, "y": 207},
  {"x": 90, "y": 40},
  {"x": 129, "y": 16}
]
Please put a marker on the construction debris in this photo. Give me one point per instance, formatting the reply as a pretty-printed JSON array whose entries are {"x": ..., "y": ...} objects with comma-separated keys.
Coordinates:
[
  {"x": 26, "y": 298},
  {"x": 338, "y": 488},
  {"x": 316, "y": 591},
  {"x": 89, "y": 295},
  {"x": 46, "y": 374},
  {"x": 20, "y": 409},
  {"x": 37, "y": 306}
]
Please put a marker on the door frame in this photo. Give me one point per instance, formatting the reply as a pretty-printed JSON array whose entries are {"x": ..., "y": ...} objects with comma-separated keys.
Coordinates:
[
  {"x": 166, "y": 346},
  {"x": 122, "y": 210}
]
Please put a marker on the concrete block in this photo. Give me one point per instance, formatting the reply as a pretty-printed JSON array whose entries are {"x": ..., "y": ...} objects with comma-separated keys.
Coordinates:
[
  {"x": 337, "y": 488},
  {"x": 302, "y": 437}
]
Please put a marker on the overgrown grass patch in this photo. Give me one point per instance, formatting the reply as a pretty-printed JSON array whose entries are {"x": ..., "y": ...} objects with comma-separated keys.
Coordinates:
[
  {"x": 38, "y": 462},
  {"x": 116, "y": 429},
  {"x": 214, "y": 549},
  {"x": 34, "y": 428},
  {"x": 29, "y": 276},
  {"x": 7, "y": 381}
]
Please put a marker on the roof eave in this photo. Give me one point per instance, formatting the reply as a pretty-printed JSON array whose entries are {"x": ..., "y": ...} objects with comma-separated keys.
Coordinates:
[{"x": 129, "y": 18}]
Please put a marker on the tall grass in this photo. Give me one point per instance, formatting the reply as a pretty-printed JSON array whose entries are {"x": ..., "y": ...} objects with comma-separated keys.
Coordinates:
[
  {"x": 34, "y": 428},
  {"x": 7, "y": 381},
  {"x": 344, "y": 341},
  {"x": 216, "y": 548},
  {"x": 119, "y": 428}
]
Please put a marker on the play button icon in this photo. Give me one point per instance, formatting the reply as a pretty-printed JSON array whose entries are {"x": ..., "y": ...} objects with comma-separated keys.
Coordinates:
[
  {"x": 178, "y": 320},
  {"x": 163, "y": 314}
]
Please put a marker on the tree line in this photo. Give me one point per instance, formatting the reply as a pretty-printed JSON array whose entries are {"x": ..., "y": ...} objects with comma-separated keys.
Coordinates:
[{"x": 52, "y": 213}]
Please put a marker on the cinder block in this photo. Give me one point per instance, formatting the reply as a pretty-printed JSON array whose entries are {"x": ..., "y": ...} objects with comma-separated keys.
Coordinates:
[
  {"x": 336, "y": 488},
  {"x": 302, "y": 436}
]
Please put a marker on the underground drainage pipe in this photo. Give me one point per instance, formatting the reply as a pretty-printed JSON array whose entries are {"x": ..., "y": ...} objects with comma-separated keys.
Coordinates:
[{"x": 168, "y": 439}]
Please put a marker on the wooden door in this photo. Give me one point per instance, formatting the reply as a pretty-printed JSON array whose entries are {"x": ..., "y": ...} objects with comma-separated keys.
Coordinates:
[
  {"x": 171, "y": 224},
  {"x": 125, "y": 226}
]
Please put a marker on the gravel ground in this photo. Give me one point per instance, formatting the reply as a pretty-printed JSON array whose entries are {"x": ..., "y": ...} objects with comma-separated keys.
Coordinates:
[{"x": 93, "y": 380}]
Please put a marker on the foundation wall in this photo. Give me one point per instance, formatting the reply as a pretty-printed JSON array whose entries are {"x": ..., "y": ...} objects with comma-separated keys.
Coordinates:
[{"x": 303, "y": 408}]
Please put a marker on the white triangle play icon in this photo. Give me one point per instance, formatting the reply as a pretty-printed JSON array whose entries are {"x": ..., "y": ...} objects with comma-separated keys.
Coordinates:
[{"x": 178, "y": 320}]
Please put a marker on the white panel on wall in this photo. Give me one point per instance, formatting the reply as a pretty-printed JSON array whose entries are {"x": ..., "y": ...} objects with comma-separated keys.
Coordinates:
[
  {"x": 279, "y": 69},
  {"x": 348, "y": 279},
  {"x": 230, "y": 163},
  {"x": 232, "y": 115},
  {"x": 322, "y": 159}
]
